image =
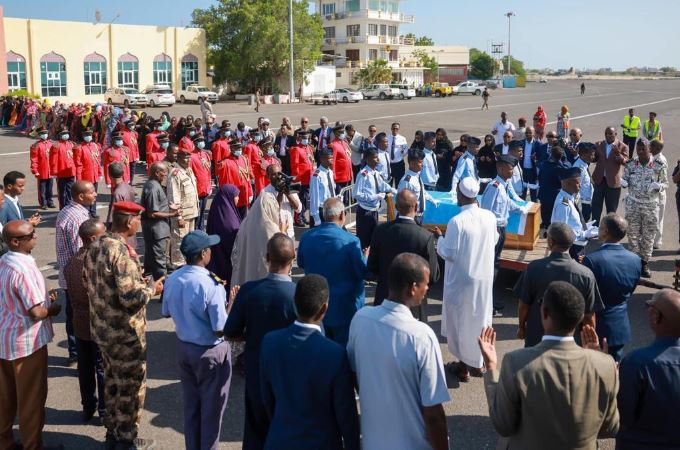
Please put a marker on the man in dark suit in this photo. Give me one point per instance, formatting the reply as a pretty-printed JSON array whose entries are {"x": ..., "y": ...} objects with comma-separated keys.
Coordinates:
[
  {"x": 260, "y": 307},
  {"x": 503, "y": 148},
  {"x": 610, "y": 157},
  {"x": 402, "y": 235},
  {"x": 322, "y": 136},
  {"x": 306, "y": 383},
  {"x": 532, "y": 148},
  {"x": 549, "y": 181},
  {"x": 617, "y": 272},
  {"x": 15, "y": 182},
  {"x": 282, "y": 144}
]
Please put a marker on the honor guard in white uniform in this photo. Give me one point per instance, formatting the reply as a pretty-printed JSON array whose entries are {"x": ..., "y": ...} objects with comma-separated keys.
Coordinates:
[
  {"x": 321, "y": 186},
  {"x": 413, "y": 182},
  {"x": 467, "y": 165},
  {"x": 430, "y": 173},
  {"x": 586, "y": 153},
  {"x": 566, "y": 210}
]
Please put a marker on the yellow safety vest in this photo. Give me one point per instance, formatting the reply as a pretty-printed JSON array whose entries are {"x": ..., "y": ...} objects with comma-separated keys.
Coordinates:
[
  {"x": 654, "y": 133},
  {"x": 630, "y": 127}
]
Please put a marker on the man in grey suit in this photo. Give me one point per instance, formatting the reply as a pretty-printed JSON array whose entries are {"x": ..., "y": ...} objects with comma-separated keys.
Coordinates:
[{"x": 556, "y": 394}]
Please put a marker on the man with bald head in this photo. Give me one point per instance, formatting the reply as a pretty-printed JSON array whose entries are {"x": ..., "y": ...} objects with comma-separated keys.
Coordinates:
[
  {"x": 611, "y": 155},
  {"x": 68, "y": 242},
  {"x": 25, "y": 330},
  {"x": 575, "y": 136},
  {"x": 402, "y": 235},
  {"x": 650, "y": 381}
]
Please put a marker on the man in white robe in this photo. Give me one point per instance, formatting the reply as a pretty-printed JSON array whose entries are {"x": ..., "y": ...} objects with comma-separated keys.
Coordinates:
[{"x": 468, "y": 249}]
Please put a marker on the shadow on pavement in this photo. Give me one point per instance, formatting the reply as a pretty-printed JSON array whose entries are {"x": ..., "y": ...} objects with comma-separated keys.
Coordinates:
[{"x": 475, "y": 431}]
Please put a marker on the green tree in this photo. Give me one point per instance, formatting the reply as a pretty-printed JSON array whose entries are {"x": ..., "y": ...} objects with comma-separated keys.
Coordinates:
[
  {"x": 427, "y": 61},
  {"x": 248, "y": 41},
  {"x": 482, "y": 65},
  {"x": 421, "y": 41},
  {"x": 376, "y": 72},
  {"x": 667, "y": 69},
  {"x": 516, "y": 66}
]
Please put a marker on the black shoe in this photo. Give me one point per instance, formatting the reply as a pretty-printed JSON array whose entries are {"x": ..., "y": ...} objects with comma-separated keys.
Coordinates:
[
  {"x": 137, "y": 444},
  {"x": 87, "y": 415},
  {"x": 645, "y": 270}
]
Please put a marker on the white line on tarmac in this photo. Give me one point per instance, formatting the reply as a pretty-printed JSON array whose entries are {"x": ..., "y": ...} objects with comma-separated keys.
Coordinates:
[{"x": 619, "y": 109}]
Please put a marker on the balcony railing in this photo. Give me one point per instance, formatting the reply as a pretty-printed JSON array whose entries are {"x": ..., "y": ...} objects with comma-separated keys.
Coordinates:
[
  {"x": 371, "y": 40},
  {"x": 371, "y": 14}
]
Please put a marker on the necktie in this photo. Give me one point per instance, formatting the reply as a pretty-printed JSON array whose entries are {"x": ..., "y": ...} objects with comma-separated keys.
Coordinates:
[
  {"x": 375, "y": 181},
  {"x": 331, "y": 188},
  {"x": 421, "y": 198},
  {"x": 392, "y": 150},
  {"x": 434, "y": 161},
  {"x": 389, "y": 168}
]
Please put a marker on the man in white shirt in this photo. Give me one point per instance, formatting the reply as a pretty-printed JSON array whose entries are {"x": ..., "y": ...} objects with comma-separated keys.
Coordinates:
[
  {"x": 355, "y": 139},
  {"x": 501, "y": 127},
  {"x": 504, "y": 147},
  {"x": 397, "y": 148},
  {"x": 430, "y": 172}
]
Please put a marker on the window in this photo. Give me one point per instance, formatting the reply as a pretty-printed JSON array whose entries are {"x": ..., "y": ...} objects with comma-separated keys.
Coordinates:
[
  {"x": 189, "y": 70},
  {"x": 392, "y": 31},
  {"x": 383, "y": 30},
  {"x": 128, "y": 71},
  {"x": 329, "y": 32},
  {"x": 338, "y": 74},
  {"x": 352, "y": 55},
  {"x": 53, "y": 75},
  {"x": 353, "y": 30},
  {"x": 372, "y": 54},
  {"x": 373, "y": 4},
  {"x": 393, "y": 7},
  {"x": 394, "y": 55},
  {"x": 16, "y": 71},
  {"x": 94, "y": 70},
  {"x": 372, "y": 29},
  {"x": 162, "y": 70},
  {"x": 351, "y": 5},
  {"x": 328, "y": 8}
]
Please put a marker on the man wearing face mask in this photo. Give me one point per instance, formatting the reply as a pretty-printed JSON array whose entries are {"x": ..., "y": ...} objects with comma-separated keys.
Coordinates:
[
  {"x": 130, "y": 137},
  {"x": 220, "y": 147},
  {"x": 40, "y": 168},
  {"x": 342, "y": 160},
  {"x": 237, "y": 171},
  {"x": 63, "y": 167},
  {"x": 265, "y": 130},
  {"x": 117, "y": 153},
  {"x": 201, "y": 164},
  {"x": 153, "y": 149},
  {"x": 182, "y": 191},
  {"x": 187, "y": 141},
  {"x": 302, "y": 166},
  {"x": 87, "y": 158},
  {"x": 260, "y": 169}
]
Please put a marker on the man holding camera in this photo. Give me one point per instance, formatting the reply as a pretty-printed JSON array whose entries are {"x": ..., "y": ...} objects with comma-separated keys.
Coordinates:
[{"x": 281, "y": 185}]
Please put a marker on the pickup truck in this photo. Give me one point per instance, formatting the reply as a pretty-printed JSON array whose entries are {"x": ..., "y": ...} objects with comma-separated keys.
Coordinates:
[
  {"x": 468, "y": 87},
  {"x": 405, "y": 92},
  {"x": 195, "y": 93},
  {"x": 382, "y": 91}
]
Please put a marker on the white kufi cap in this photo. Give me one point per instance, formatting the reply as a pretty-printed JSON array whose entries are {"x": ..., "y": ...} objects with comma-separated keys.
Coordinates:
[{"x": 469, "y": 187}]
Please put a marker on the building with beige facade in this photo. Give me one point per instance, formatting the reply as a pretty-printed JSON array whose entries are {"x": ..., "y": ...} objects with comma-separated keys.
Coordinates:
[{"x": 78, "y": 61}]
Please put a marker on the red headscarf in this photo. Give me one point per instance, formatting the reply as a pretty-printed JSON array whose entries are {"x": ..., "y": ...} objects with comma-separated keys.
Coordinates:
[{"x": 540, "y": 118}]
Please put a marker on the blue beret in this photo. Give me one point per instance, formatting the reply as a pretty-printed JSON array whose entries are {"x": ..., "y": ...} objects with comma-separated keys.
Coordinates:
[
  {"x": 430, "y": 135},
  {"x": 572, "y": 172},
  {"x": 508, "y": 159},
  {"x": 416, "y": 153},
  {"x": 326, "y": 151},
  {"x": 370, "y": 151},
  {"x": 474, "y": 140}
]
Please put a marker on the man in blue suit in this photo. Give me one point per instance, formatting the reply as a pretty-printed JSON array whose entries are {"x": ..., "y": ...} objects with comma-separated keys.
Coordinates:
[
  {"x": 332, "y": 252},
  {"x": 617, "y": 272},
  {"x": 549, "y": 182},
  {"x": 529, "y": 162},
  {"x": 260, "y": 307},
  {"x": 15, "y": 182},
  {"x": 306, "y": 383}
]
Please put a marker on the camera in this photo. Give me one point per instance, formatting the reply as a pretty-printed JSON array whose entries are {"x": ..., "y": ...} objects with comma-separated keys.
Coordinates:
[{"x": 285, "y": 184}]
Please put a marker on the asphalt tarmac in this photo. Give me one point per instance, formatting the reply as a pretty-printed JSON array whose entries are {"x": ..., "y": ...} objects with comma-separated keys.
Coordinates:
[{"x": 605, "y": 103}]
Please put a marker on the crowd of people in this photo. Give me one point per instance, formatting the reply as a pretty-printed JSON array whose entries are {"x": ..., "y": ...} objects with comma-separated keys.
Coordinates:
[{"x": 218, "y": 214}]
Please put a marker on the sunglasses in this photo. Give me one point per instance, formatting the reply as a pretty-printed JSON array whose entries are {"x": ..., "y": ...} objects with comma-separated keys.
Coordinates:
[{"x": 26, "y": 237}]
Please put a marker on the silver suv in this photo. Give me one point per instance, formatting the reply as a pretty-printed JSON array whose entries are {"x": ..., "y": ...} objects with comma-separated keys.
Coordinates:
[{"x": 125, "y": 96}]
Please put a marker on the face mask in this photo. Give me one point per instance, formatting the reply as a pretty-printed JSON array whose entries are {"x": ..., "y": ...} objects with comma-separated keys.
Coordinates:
[
  {"x": 227, "y": 133},
  {"x": 270, "y": 152},
  {"x": 305, "y": 141},
  {"x": 258, "y": 138},
  {"x": 200, "y": 145},
  {"x": 87, "y": 138},
  {"x": 43, "y": 137},
  {"x": 131, "y": 126},
  {"x": 192, "y": 133},
  {"x": 64, "y": 137},
  {"x": 118, "y": 142},
  {"x": 237, "y": 153},
  {"x": 165, "y": 145}
]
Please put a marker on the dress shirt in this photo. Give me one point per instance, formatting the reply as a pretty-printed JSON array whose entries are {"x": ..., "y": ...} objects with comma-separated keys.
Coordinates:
[
  {"x": 66, "y": 235},
  {"x": 397, "y": 147},
  {"x": 384, "y": 165},
  {"x": 355, "y": 147},
  {"x": 528, "y": 162},
  {"x": 607, "y": 148},
  {"x": 500, "y": 128},
  {"x": 368, "y": 187},
  {"x": 505, "y": 149},
  {"x": 282, "y": 140},
  {"x": 550, "y": 337},
  {"x": 500, "y": 198},
  {"x": 321, "y": 188},
  {"x": 467, "y": 167},
  {"x": 430, "y": 172},
  {"x": 565, "y": 210},
  {"x": 15, "y": 202},
  {"x": 197, "y": 304},
  {"x": 586, "y": 191},
  {"x": 311, "y": 326},
  {"x": 517, "y": 180},
  {"x": 414, "y": 183}
]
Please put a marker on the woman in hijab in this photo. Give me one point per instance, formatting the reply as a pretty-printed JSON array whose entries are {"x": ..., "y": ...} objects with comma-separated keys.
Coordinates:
[
  {"x": 225, "y": 221},
  {"x": 539, "y": 122},
  {"x": 249, "y": 256},
  {"x": 418, "y": 140},
  {"x": 563, "y": 122}
]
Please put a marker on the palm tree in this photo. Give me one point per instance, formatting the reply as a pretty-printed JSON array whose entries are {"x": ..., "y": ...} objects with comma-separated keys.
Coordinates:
[{"x": 376, "y": 72}]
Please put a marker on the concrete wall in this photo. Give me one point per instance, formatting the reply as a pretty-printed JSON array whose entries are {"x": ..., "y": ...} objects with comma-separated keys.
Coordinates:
[{"x": 33, "y": 39}]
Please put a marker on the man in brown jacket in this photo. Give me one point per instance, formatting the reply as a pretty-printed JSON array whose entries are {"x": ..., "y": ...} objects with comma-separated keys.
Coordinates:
[
  {"x": 610, "y": 157},
  {"x": 555, "y": 395}
]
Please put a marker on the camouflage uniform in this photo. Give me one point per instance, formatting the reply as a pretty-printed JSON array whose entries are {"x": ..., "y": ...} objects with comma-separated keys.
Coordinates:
[
  {"x": 118, "y": 297},
  {"x": 182, "y": 191},
  {"x": 641, "y": 204}
]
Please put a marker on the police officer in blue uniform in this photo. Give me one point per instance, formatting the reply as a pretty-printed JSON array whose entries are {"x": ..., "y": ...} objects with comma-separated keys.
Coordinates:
[
  {"x": 549, "y": 181},
  {"x": 413, "y": 182},
  {"x": 430, "y": 173},
  {"x": 322, "y": 185},
  {"x": 369, "y": 191}
]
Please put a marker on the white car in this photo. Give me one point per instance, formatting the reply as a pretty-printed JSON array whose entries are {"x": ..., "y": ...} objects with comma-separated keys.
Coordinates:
[
  {"x": 124, "y": 96},
  {"x": 345, "y": 95},
  {"x": 382, "y": 91},
  {"x": 159, "y": 96},
  {"x": 405, "y": 92},
  {"x": 468, "y": 87},
  {"x": 195, "y": 93}
]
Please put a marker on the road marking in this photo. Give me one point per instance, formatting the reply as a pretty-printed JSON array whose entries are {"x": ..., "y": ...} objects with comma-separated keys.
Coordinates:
[
  {"x": 14, "y": 153},
  {"x": 620, "y": 109}
]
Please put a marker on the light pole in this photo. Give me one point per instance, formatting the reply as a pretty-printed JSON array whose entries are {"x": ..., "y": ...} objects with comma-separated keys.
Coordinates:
[
  {"x": 509, "y": 15},
  {"x": 438, "y": 52},
  {"x": 291, "y": 73}
]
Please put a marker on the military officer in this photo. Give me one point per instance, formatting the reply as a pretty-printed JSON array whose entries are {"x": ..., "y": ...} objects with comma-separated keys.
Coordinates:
[
  {"x": 40, "y": 167},
  {"x": 236, "y": 170},
  {"x": 87, "y": 158},
  {"x": 565, "y": 210},
  {"x": 183, "y": 192},
  {"x": 467, "y": 165},
  {"x": 413, "y": 181},
  {"x": 63, "y": 167},
  {"x": 384, "y": 161},
  {"x": 645, "y": 177},
  {"x": 369, "y": 191},
  {"x": 656, "y": 147},
  {"x": 302, "y": 165},
  {"x": 321, "y": 186},
  {"x": 430, "y": 173},
  {"x": 117, "y": 153},
  {"x": 118, "y": 297},
  {"x": 130, "y": 137}
]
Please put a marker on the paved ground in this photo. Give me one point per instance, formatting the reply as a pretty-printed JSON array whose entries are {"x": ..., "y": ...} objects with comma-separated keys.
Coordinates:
[{"x": 604, "y": 104}]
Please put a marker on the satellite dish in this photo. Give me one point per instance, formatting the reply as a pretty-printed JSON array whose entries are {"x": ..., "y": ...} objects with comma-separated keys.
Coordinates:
[{"x": 97, "y": 16}]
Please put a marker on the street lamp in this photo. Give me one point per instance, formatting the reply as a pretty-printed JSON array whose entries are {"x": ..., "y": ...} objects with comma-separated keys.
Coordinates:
[
  {"x": 291, "y": 72},
  {"x": 509, "y": 15},
  {"x": 438, "y": 52}
]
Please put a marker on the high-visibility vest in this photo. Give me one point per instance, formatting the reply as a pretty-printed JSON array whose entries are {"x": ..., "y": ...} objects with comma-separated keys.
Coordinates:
[
  {"x": 651, "y": 134},
  {"x": 630, "y": 127}
]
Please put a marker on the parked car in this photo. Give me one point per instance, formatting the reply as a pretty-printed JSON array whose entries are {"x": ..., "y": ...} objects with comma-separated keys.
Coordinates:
[
  {"x": 195, "y": 93},
  {"x": 468, "y": 87},
  {"x": 405, "y": 92},
  {"x": 159, "y": 96},
  {"x": 491, "y": 84},
  {"x": 543, "y": 80},
  {"x": 441, "y": 89},
  {"x": 345, "y": 95},
  {"x": 381, "y": 91},
  {"x": 125, "y": 96}
]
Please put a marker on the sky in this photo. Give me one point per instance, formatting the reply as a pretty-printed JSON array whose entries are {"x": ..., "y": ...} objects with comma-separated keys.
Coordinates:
[{"x": 545, "y": 33}]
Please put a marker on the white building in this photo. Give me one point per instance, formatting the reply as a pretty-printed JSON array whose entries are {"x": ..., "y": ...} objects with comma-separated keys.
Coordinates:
[{"x": 360, "y": 31}]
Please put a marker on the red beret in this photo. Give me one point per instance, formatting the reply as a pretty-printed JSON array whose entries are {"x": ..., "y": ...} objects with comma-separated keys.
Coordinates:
[
  {"x": 184, "y": 150},
  {"x": 128, "y": 208}
]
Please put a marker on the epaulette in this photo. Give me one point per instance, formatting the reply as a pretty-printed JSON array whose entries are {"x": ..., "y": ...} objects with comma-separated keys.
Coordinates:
[
  {"x": 565, "y": 201},
  {"x": 364, "y": 172},
  {"x": 316, "y": 172},
  {"x": 496, "y": 184},
  {"x": 175, "y": 171},
  {"x": 217, "y": 279},
  {"x": 407, "y": 178}
]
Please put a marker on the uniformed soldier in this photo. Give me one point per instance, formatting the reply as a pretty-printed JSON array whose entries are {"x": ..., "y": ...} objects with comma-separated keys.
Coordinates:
[
  {"x": 182, "y": 191},
  {"x": 87, "y": 158},
  {"x": 384, "y": 162},
  {"x": 656, "y": 147},
  {"x": 267, "y": 158},
  {"x": 118, "y": 298},
  {"x": 430, "y": 173},
  {"x": 645, "y": 177},
  {"x": 236, "y": 170},
  {"x": 413, "y": 182},
  {"x": 467, "y": 165},
  {"x": 586, "y": 153},
  {"x": 369, "y": 191},
  {"x": 63, "y": 167},
  {"x": 130, "y": 137},
  {"x": 565, "y": 210},
  {"x": 302, "y": 165},
  {"x": 321, "y": 186},
  {"x": 117, "y": 153},
  {"x": 40, "y": 167}
]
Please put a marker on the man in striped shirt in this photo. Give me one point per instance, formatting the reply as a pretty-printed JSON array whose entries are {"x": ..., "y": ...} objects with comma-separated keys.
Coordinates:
[
  {"x": 69, "y": 219},
  {"x": 25, "y": 331}
]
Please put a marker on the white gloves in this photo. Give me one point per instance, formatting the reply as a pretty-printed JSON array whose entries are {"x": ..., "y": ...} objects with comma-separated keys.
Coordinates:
[
  {"x": 381, "y": 196},
  {"x": 590, "y": 224},
  {"x": 532, "y": 186},
  {"x": 592, "y": 232},
  {"x": 485, "y": 180},
  {"x": 524, "y": 210},
  {"x": 624, "y": 183},
  {"x": 654, "y": 186}
]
